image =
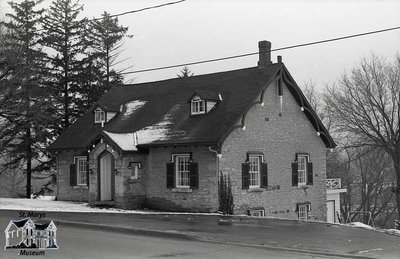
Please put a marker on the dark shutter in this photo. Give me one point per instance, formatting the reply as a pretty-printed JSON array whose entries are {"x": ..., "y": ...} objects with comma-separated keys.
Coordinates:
[
  {"x": 295, "y": 175},
  {"x": 72, "y": 174},
  {"x": 170, "y": 175},
  {"x": 264, "y": 175},
  {"x": 87, "y": 171},
  {"x": 309, "y": 173},
  {"x": 297, "y": 207},
  {"x": 194, "y": 175},
  {"x": 245, "y": 176}
]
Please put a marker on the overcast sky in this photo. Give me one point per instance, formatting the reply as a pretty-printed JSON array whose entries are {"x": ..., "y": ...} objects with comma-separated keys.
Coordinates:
[{"x": 203, "y": 29}]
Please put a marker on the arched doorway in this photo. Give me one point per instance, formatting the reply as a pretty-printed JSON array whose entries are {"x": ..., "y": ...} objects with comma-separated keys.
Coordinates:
[{"x": 106, "y": 177}]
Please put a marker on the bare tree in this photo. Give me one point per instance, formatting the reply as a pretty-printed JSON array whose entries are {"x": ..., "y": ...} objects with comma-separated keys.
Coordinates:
[{"x": 365, "y": 106}]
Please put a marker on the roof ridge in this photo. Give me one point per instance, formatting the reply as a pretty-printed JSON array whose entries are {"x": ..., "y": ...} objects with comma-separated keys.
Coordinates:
[{"x": 192, "y": 77}]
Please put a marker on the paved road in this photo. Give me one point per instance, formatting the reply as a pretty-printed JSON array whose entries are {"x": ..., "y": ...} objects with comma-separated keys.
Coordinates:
[
  {"x": 82, "y": 243},
  {"x": 269, "y": 232}
]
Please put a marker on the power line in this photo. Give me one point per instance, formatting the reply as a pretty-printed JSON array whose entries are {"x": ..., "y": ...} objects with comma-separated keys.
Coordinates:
[
  {"x": 130, "y": 12},
  {"x": 256, "y": 53},
  {"x": 139, "y": 10}
]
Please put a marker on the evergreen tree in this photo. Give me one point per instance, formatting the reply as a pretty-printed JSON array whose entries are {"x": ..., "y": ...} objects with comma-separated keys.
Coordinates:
[
  {"x": 65, "y": 36},
  {"x": 185, "y": 73},
  {"x": 105, "y": 41},
  {"x": 225, "y": 195},
  {"x": 24, "y": 104}
]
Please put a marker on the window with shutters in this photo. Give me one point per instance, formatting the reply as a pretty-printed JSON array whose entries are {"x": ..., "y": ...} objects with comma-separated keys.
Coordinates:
[
  {"x": 81, "y": 170},
  {"x": 254, "y": 170},
  {"x": 302, "y": 161},
  {"x": 182, "y": 169},
  {"x": 303, "y": 211}
]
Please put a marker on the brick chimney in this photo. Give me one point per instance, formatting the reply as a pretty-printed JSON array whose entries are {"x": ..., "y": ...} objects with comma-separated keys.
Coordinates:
[{"x": 264, "y": 49}]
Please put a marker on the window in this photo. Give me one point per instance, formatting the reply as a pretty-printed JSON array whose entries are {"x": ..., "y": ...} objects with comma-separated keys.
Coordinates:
[
  {"x": 257, "y": 213},
  {"x": 198, "y": 106},
  {"x": 302, "y": 171},
  {"x": 302, "y": 211},
  {"x": 302, "y": 161},
  {"x": 182, "y": 173},
  {"x": 254, "y": 171},
  {"x": 99, "y": 116},
  {"x": 182, "y": 170},
  {"x": 81, "y": 173},
  {"x": 134, "y": 167}
]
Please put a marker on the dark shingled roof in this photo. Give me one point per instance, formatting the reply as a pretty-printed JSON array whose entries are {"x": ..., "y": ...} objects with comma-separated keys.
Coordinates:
[
  {"x": 20, "y": 223},
  {"x": 42, "y": 226},
  {"x": 165, "y": 103}
]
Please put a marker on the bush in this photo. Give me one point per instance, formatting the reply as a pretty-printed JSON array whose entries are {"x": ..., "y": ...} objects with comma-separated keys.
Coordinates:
[{"x": 225, "y": 196}]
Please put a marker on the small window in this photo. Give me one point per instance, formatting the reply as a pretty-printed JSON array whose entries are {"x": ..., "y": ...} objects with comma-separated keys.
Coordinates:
[
  {"x": 303, "y": 211},
  {"x": 198, "y": 106},
  {"x": 134, "y": 167},
  {"x": 81, "y": 173},
  {"x": 302, "y": 161},
  {"x": 182, "y": 169},
  {"x": 99, "y": 116},
  {"x": 257, "y": 213},
  {"x": 254, "y": 170}
]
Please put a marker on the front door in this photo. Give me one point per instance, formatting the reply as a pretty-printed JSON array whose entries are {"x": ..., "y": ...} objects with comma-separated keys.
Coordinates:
[
  {"x": 106, "y": 177},
  {"x": 330, "y": 211}
]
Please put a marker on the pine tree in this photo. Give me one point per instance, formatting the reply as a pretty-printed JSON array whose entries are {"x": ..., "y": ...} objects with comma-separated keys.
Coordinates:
[
  {"x": 185, "y": 73},
  {"x": 105, "y": 40},
  {"x": 65, "y": 36},
  {"x": 24, "y": 104}
]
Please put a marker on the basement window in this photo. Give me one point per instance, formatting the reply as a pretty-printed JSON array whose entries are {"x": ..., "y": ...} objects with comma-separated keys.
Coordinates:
[{"x": 257, "y": 213}]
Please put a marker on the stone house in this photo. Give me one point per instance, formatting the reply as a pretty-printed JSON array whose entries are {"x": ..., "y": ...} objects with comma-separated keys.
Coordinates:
[{"x": 164, "y": 144}]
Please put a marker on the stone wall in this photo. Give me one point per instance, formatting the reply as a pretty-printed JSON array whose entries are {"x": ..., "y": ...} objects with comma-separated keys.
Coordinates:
[
  {"x": 66, "y": 192},
  {"x": 128, "y": 193},
  {"x": 205, "y": 198},
  {"x": 279, "y": 138}
]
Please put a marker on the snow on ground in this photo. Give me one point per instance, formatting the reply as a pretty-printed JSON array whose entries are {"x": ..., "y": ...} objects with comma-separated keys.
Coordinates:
[
  {"x": 46, "y": 204},
  {"x": 359, "y": 225},
  {"x": 392, "y": 231}
]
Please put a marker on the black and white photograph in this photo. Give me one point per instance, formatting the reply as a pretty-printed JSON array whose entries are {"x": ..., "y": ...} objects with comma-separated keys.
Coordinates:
[{"x": 200, "y": 129}]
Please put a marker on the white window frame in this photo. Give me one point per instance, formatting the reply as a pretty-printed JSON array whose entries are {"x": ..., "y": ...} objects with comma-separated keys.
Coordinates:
[
  {"x": 99, "y": 116},
  {"x": 257, "y": 213},
  {"x": 180, "y": 181},
  {"x": 198, "y": 106},
  {"x": 81, "y": 170},
  {"x": 134, "y": 166},
  {"x": 302, "y": 168},
  {"x": 303, "y": 211},
  {"x": 255, "y": 171}
]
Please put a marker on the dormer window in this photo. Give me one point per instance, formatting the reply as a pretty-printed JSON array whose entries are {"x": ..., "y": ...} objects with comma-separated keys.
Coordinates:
[
  {"x": 198, "y": 106},
  {"x": 99, "y": 116}
]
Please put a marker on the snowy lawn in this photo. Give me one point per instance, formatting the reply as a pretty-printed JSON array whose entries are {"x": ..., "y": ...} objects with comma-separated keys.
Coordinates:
[{"x": 47, "y": 203}]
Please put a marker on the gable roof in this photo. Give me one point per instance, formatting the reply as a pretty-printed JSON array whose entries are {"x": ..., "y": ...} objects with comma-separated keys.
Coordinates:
[
  {"x": 159, "y": 114},
  {"x": 206, "y": 95}
]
